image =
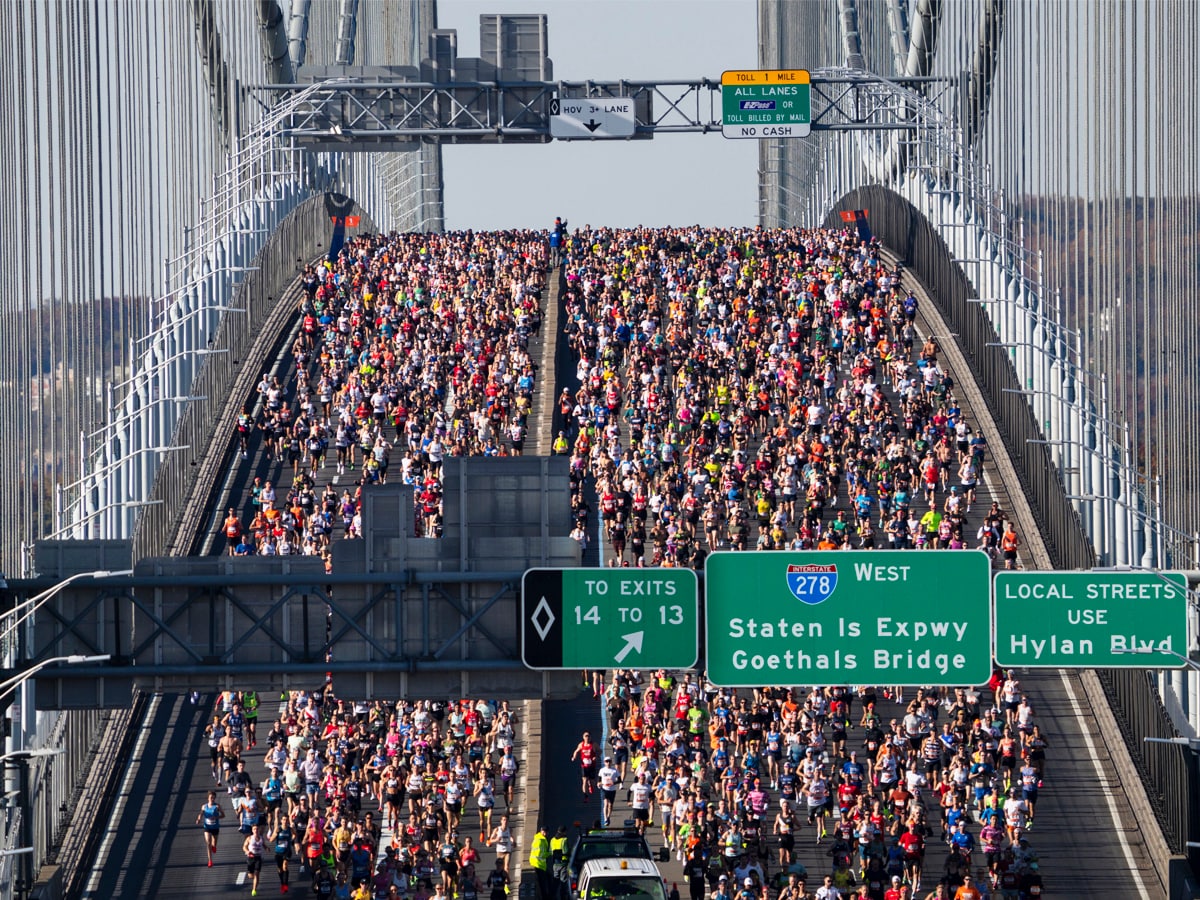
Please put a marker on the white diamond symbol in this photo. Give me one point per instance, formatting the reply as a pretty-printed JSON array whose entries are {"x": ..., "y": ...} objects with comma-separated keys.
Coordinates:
[{"x": 542, "y": 610}]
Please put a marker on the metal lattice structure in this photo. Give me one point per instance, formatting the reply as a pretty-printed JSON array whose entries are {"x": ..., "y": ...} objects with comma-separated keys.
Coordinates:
[{"x": 362, "y": 113}]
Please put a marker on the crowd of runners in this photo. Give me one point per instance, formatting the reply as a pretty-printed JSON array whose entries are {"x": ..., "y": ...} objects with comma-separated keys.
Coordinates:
[
  {"x": 740, "y": 781},
  {"x": 762, "y": 389},
  {"x": 734, "y": 389},
  {"x": 366, "y": 800},
  {"x": 750, "y": 389},
  {"x": 410, "y": 348}
]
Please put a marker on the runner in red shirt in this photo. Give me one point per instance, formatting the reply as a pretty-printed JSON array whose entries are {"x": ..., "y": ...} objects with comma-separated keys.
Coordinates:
[
  {"x": 586, "y": 753},
  {"x": 914, "y": 855}
]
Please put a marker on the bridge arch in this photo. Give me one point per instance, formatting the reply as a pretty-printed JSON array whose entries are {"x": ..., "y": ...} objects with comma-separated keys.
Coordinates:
[{"x": 920, "y": 248}]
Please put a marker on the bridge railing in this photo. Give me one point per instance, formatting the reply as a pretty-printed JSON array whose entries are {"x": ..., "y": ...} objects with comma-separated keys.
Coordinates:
[
  {"x": 1069, "y": 454},
  {"x": 300, "y": 238},
  {"x": 918, "y": 241},
  {"x": 213, "y": 305},
  {"x": 1168, "y": 769},
  {"x": 46, "y": 788}
]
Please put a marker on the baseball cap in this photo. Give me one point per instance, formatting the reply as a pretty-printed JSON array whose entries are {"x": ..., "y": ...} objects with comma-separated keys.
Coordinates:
[
  {"x": 723, "y": 878},
  {"x": 895, "y": 879},
  {"x": 749, "y": 882}
]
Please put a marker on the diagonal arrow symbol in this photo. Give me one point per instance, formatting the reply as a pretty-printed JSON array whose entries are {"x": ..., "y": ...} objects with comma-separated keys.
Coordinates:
[
  {"x": 591, "y": 125},
  {"x": 633, "y": 642}
]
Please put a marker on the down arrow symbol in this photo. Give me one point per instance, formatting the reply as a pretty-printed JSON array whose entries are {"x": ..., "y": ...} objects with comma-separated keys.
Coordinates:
[{"x": 591, "y": 125}]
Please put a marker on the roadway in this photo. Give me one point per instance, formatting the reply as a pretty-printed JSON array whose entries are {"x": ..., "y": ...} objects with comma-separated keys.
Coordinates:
[
  {"x": 1088, "y": 838},
  {"x": 152, "y": 846},
  {"x": 1085, "y": 833},
  {"x": 149, "y": 848}
]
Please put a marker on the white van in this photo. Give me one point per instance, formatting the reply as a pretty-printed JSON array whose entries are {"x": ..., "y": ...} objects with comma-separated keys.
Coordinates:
[{"x": 621, "y": 879}]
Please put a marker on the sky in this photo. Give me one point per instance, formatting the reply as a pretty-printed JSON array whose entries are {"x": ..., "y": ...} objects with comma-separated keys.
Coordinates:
[{"x": 673, "y": 179}]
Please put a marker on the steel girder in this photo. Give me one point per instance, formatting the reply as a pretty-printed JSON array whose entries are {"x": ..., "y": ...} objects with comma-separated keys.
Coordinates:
[
  {"x": 219, "y": 625},
  {"x": 355, "y": 113}
]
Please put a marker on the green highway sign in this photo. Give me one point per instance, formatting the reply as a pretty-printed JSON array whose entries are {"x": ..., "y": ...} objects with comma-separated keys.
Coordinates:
[
  {"x": 609, "y": 618},
  {"x": 1091, "y": 619},
  {"x": 902, "y": 617},
  {"x": 768, "y": 103}
]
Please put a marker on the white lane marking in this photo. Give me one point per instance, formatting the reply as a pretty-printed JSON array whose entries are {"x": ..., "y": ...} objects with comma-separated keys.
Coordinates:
[
  {"x": 518, "y": 831},
  {"x": 1077, "y": 709},
  {"x": 241, "y": 879},
  {"x": 139, "y": 750},
  {"x": 1094, "y": 756}
]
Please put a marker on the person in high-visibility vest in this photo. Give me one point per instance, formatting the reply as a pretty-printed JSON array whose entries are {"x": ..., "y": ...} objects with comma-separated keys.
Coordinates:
[
  {"x": 559, "y": 851},
  {"x": 250, "y": 710},
  {"x": 539, "y": 861}
]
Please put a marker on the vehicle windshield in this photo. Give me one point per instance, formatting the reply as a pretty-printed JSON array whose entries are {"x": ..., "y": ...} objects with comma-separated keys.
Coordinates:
[
  {"x": 629, "y": 887},
  {"x": 608, "y": 849}
]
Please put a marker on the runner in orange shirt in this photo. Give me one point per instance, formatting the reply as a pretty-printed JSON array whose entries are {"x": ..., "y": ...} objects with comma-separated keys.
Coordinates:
[
  {"x": 233, "y": 531},
  {"x": 1008, "y": 546},
  {"x": 968, "y": 890}
]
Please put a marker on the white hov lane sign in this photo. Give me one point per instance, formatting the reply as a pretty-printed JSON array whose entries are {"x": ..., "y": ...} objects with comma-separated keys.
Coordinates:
[{"x": 584, "y": 119}]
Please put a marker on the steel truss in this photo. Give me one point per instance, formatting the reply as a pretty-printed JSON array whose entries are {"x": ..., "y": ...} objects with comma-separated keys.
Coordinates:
[
  {"x": 224, "y": 625},
  {"x": 349, "y": 113}
]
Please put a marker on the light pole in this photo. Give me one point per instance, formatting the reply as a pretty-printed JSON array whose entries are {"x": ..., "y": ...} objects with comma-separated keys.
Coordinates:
[
  {"x": 22, "y": 757},
  {"x": 1193, "y": 744},
  {"x": 27, "y": 850},
  {"x": 1177, "y": 686},
  {"x": 11, "y": 684},
  {"x": 35, "y": 602},
  {"x": 1151, "y": 651},
  {"x": 11, "y": 621}
]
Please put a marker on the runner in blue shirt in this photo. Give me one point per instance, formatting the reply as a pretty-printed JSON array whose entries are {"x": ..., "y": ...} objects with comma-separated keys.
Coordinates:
[{"x": 210, "y": 816}]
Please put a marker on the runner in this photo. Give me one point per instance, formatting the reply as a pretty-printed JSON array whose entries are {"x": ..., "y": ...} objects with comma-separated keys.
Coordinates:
[
  {"x": 210, "y": 816},
  {"x": 586, "y": 753},
  {"x": 253, "y": 847},
  {"x": 485, "y": 798},
  {"x": 250, "y": 711},
  {"x": 282, "y": 839},
  {"x": 609, "y": 779},
  {"x": 641, "y": 799},
  {"x": 501, "y": 838},
  {"x": 1009, "y": 542},
  {"x": 497, "y": 880},
  {"x": 232, "y": 529}
]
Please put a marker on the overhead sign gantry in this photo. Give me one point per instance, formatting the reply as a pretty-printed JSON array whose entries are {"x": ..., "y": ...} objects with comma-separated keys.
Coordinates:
[{"x": 370, "y": 114}]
